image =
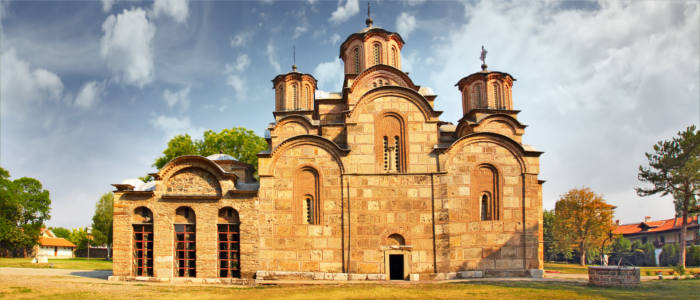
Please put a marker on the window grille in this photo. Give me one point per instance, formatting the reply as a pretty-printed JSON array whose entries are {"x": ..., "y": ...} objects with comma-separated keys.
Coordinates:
[
  {"x": 295, "y": 105},
  {"x": 143, "y": 250},
  {"x": 229, "y": 250},
  {"x": 185, "y": 249},
  {"x": 376, "y": 54},
  {"x": 357, "y": 60},
  {"x": 485, "y": 209},
  {"x": 386, "y": 154},
  {"x": 397, "y": 150}
]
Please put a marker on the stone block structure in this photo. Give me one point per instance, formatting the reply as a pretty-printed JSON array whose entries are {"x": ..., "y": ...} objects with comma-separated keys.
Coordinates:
[{"x": 364, "y": 184}]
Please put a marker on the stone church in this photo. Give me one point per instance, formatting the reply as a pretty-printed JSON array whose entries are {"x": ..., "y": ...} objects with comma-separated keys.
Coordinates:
[{"x": 363, "y": 184}]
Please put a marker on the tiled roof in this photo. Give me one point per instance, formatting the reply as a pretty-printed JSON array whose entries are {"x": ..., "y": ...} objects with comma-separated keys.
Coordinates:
[
  {"x": 55, "y": 242},
  {"x": 654, "y": 226}
]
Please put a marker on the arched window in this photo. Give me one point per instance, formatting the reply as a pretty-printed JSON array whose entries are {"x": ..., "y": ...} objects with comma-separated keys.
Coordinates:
[
  {"x": 485, "y": 209},
  {"x": 485, "y": 183},
  {"x": 307, "y": 196},
  {"x": 377, "y": 54},
  {"x": 356, "y": 58},
  {"x": 391, "y": 136},
  {"x": 282, "y": 104},
  {"x": 307, "y": 96},
  {"x": 185, "y": 243},
  {"x": 476, "y": 95},
  {"x": 295, "y": 101},
  {"x": 394, "y": 62},
  {"x": 228, "y": 227},
  {"x": 497, "y": 96},
  {"x": 396, "y": 239},
  {"x": 142, "y": 223}
]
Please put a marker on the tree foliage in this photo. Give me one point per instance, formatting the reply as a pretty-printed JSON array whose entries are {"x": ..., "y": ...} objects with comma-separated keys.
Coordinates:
[
  {"x": 241, "y": 143},
  {"x": 61, "y": 232},
  {"x": 24, "y": 206},
  {"x": 102, "y": 220},
  {"x": 583, "y": 221},
  {"x": 674, "y": 169},
  {"x": 79, "y": 237}
]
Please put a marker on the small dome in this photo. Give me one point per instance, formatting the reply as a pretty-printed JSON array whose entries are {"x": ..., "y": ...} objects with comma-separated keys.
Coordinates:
[
  {"x": 146, "y": 186},
  {"x": 220, "y": 156},
  {"x": 133, "y": 182}
]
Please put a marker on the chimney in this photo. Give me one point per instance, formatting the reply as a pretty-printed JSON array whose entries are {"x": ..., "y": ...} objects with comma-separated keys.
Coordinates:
[{"x": 647, "y": 219}]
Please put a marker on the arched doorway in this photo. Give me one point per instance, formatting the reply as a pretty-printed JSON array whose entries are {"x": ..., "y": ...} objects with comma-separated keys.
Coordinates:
[{"x": 396, "y": 257}]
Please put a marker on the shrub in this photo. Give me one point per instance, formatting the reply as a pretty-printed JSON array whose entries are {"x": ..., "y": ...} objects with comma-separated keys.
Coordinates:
[
  {"x": 669, "y": 255},
  {"x": 692, "y": 255}
]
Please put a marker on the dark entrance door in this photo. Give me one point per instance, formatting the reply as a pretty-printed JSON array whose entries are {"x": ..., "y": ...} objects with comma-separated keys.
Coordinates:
[{"x": 396, "y": 266}]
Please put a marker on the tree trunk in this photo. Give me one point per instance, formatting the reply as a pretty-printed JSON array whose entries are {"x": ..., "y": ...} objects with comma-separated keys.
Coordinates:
[
  {"x": 684, "y": 225},
  {"x": 583, "y": 257}
]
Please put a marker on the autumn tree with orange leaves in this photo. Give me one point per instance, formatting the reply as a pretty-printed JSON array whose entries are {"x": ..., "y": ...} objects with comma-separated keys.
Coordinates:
[{"x": 582, "y": 221}]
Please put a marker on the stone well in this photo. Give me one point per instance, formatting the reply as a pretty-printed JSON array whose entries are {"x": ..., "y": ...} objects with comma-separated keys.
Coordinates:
[{"x": 613, "y": 276}]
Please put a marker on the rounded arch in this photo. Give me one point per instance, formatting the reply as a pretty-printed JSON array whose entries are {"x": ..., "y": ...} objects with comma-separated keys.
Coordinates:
[
  {"x": 464, "y": 128},
  {"x": 314, "y": 140},
  {"x": 394, "y": 91},
  {"x": 509, "y": 144},
  {"x": 405, "y": 81},
  {"x": 396, "y": 239},
  {"x": 302, "y": 120},
  {"x": 185, "y": 215},
  {"x": 193, "y": 161},
  {"x": 142, "y": 215},
  {"x": 228, "y": 215}
]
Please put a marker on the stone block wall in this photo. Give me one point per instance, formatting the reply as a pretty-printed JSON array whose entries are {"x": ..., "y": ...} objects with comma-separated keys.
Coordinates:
[{"x": 613, "y": 276}]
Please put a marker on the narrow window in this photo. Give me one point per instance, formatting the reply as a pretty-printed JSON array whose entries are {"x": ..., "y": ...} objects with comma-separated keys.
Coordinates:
[
  {"x": 229, "y": 243},
  {"x": 497, "y": 95},
  {"x": 377, "y": 54},
  {"x": 393, "y": 57},
  {"x": 309, "y": 209},
  {"x": 306, "y": 198},
  {"x": 295, "y": 105},
  {"x": 357, "y": 60},
  {"x": 477, "y": 96},
  {"x": 397, "y": 150},
  {"x": 485, "y": 210},
  {"x": 185, "y": 243},
  {"x": 386, "y": 154},
  {"x": 307, "y": 96},
  {"x": 143, "y": 242}
]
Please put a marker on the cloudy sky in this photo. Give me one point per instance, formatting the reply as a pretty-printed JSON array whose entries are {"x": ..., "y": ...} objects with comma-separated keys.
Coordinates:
[{"x": 92, "y": 91}]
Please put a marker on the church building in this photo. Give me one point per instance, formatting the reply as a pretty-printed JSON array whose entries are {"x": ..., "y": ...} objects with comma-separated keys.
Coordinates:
[{"x": 367, "y": 183}]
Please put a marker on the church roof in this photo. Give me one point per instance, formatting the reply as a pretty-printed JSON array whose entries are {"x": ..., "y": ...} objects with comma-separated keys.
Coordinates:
[
  {"x": 220, "y": 156},
  {"x": 368, "y": 31}
]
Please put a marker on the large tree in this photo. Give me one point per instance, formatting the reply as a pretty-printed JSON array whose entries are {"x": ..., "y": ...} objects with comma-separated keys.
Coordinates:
[
  {"x": 241, "y": 143},
  {"x": 24, "y": 206},
  {"x": 674, "y": 169},
  {"x": 583, "y": 221},
  {"x": 102, "y": 221}
]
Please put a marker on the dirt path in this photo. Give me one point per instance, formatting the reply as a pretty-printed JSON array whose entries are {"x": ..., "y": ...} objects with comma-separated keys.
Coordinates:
[{"x": 93, "y": 274}]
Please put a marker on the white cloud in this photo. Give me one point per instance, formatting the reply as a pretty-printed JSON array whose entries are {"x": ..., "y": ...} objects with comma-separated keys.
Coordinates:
[
  {"x": 405, "y": 24},
  {"x": 329, "y": 75},
  {"x": 173, "y": 126},
  {"x": 239, "y": 86},
  {"x": 299, "y": 30},
  {"x": 272, "y": 57},
  {"x": 107, "y": 5},
  {"x": 344, "y": 12},
  {"x": 335, "y": 38},
  {"x": 414, "y": 2},
  {"x": 596, "y": 98},
  {"x": 181, "y": 97},
  {"x": 312, "y": 2},
  {"x": 24, "y": 86},
  {"x": 240, "y": 39},
  {"x": 90, "y": 94},
  {"x": 127, "y": 47},
  {"x": 242, "y": 62},
  {"x": 177, "y": 9}
]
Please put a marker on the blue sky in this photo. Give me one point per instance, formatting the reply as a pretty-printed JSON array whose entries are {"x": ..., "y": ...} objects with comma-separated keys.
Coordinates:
[{"x": 92, "y": 91}]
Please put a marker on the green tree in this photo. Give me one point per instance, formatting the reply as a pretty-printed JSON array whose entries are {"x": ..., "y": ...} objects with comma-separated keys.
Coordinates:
[
  {"x": 550, "y": 246},
  {"x": 24, "y": 206},
  {"x": 241, "y": 143},
  {"x": 674, "y": 168},
  {"x": 79, "y": 237},
  {"x": 583, "y": 221},
  {"x": 102, "y": 221},
  {"x": 60, "y": 232}
]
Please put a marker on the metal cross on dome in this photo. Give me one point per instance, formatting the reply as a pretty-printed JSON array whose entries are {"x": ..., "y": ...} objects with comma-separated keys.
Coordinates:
[{"x": 483, "y": 55}]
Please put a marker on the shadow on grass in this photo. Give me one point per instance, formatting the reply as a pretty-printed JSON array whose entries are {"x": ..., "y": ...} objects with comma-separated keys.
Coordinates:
[{"x": 98, "y": 274}]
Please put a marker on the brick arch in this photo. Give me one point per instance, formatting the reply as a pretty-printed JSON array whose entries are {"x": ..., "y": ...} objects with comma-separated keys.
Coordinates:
[
  {"x": 397, "y": 92},
  {"x": 516, "y": 150},
  {"x": 465, "y": 128},
  {"x": 313, "y": 140},
  {"x": 401, "y": 78}
]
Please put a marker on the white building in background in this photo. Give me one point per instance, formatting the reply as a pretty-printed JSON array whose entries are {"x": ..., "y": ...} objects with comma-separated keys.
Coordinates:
[{"x": 54, "y": 247}]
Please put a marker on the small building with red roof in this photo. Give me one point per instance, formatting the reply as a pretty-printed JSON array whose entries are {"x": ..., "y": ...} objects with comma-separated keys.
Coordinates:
[
  {"x": 54, "y": 247},
  {"x": 661, "y": 232}
]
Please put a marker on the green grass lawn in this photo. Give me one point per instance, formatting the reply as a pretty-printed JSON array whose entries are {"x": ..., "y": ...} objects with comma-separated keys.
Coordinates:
[
  {"x": 58, "y": 289},
  {"x": 577, "y": 269},
  {"x": 64, "y": 263}
]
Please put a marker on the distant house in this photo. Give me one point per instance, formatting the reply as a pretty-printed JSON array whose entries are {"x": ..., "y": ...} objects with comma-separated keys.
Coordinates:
[
  {"x": 52, "y": 246},
  {"x": 661, "y": 232}
]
